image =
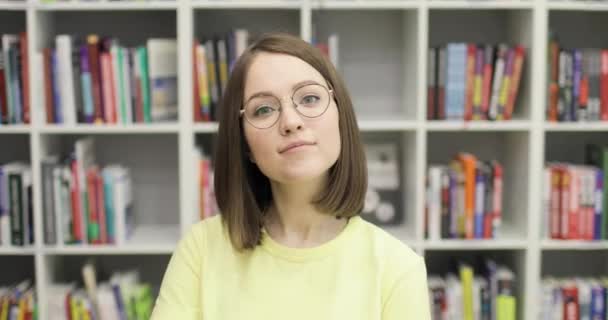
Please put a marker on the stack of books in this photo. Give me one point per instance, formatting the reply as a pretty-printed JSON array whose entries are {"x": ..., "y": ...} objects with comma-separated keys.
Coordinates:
[{"x": 464, "y": 199}]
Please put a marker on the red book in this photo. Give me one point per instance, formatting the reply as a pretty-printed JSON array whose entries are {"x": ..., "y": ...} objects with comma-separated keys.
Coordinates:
[
  {"x": 564, "y": 213},
  {"x": 604, "y": 86},
  {"x": 25, "y": 77},
  {"x": 468, "y": 104},
  {"x": 77, "y": 231},
  {"x": 101, "y": 208},
  {"x": 431, "y": 84},
  {"x": 518, "y": 62},
  {"x": 571, "y": 306},
  {"x": 554, "y": 218},
  {"x": 107, "y": 77},
  {"x": 442, "y": 69}
]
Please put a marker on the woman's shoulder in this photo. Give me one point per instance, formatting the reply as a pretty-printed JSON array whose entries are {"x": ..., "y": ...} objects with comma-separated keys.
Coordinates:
[
  {"x": 387, "y": 247},
  {"x": 210, "y": 227},
  {"x": 206, "y": 232}
]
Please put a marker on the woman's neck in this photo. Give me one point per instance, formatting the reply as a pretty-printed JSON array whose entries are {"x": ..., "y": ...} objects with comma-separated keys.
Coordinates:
[{"x": 294, "y": 222}]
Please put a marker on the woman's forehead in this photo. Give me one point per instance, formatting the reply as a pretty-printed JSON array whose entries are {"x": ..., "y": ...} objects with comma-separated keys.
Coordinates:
[{"x": 278, "y": 72}]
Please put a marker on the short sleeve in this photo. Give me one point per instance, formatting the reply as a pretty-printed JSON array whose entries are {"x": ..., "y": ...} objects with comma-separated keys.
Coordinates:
[
  {"x": 179, "y": 296},
  {"x": 409, "y": 298}
]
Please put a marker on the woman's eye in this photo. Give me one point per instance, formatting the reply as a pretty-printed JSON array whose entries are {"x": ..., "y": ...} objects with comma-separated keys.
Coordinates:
[
  {"x": 310, "y": 99},
  {"x": 263, "y": 110}
]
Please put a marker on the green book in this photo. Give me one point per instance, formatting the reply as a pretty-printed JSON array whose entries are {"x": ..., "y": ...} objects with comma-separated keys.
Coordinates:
[
  {"x": 121, "y": 84},
  {"x": 142, "y": 54},
  {"x": 16, "y": 217}
]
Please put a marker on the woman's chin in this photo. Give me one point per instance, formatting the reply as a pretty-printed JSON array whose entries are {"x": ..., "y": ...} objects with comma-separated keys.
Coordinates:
[{"x": 299, "y": 175}]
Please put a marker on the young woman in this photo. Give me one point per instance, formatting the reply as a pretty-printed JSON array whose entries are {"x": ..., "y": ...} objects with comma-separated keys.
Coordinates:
[{"x": 290, "y": 180}]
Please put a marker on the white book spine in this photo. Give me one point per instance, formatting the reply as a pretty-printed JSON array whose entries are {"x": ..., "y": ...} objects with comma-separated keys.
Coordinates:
[
  {"x": 7, "y": 41},
  {"x": 434, "y": 207},
  {"x": 66, "y": 81},
  {"x": 333, "y": 49}
]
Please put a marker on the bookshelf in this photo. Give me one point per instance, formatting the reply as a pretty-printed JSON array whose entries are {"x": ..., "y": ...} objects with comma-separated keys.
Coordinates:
[{"x": 383, "y": 58}]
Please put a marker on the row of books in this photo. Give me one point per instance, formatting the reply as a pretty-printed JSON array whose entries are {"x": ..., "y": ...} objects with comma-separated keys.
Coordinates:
[
  {"x": 468, "y": 81},
  {"x": 575, "y": 197},
  {"x": 578, "y": 83},
  {"x": 14, "y": 80},
  {"x": 97, "y": 80},
  {"x": 213, "y": 60},
  {"x": 84, "y": 202},
  {"x": 16, "y": 211},
  {"x": 18, "y": 302},
  {"x": 574, "y": 299},
  {"x": 464, "y": 198},
  {"x": 206, "y": 205},
  {"x": 123, "y": 296},
  {"x": 465, "y": 294}
]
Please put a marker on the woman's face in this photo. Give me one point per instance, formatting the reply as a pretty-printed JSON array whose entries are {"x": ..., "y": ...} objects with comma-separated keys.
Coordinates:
[{"x": 318, "y": 138}]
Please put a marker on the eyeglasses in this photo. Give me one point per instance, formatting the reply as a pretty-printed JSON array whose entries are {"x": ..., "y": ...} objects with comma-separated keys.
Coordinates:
[{"x": 310, "y": 101}]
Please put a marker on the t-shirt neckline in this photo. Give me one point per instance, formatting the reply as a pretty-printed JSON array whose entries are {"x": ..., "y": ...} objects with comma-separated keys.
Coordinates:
[{"x": 312, "y": 253}]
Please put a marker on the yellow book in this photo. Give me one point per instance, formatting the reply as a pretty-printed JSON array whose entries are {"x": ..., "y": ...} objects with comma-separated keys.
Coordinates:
[
  {"x": 505, "y": 307},
  {"x": 466, "y": 278},
  {"x": 74, "y": 307},
  {"x": 4, "y": 308},
  {"x": 22, "y": 308},
  {"x": 203, "y": 85}
]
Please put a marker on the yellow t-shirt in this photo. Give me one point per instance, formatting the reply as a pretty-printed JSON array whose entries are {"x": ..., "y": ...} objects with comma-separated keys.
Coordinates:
[{"x": 363, "y": 273}]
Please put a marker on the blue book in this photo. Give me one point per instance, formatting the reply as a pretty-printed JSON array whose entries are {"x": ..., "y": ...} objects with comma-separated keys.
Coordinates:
[
  {"x": 55, "y": 85},
  {"x": 598, "y": 303},
  {"x": 86, "y": 85},
  {"x": 455, "y": 80},
  {"x": 15, "y": 85},
  {"x": 597, "y": 220}
]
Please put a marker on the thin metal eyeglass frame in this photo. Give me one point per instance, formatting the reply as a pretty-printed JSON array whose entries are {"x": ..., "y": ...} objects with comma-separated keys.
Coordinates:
[{"x": 330, "y": 93}]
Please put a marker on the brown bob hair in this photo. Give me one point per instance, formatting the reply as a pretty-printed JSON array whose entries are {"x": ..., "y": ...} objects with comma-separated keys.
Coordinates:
[{"x": 242, "y": 191}]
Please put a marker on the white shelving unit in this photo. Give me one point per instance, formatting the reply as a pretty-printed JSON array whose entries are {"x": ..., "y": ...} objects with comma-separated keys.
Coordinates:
[{"x": 383, "y": 47}]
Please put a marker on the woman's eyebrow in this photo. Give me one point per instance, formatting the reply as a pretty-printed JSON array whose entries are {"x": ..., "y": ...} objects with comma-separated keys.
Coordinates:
[{"x": 268, "y": 93}]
